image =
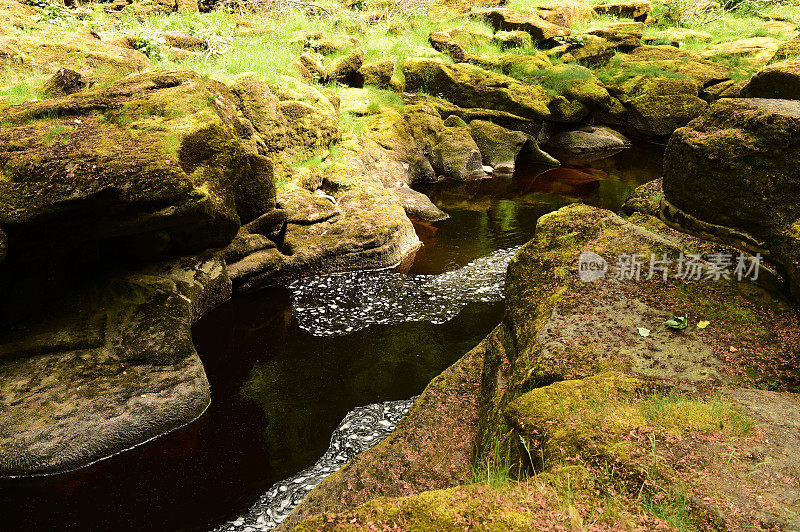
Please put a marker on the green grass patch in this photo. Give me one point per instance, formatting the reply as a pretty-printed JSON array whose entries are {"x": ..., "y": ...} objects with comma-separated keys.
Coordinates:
[
  {"x": 20, "y": 93},
  {"x": 58, "y": 133},
  {"x": 556, "y": 79},
  {"x": 678, "y": 413}
]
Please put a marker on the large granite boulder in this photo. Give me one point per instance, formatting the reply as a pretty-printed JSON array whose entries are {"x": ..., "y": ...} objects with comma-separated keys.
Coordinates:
[
  {"x": 731, "y": 175},
  {"x": 379, "y": 73},
  {"x": 471, "y": 86},
  {"x": 155, "y": 163},
  {"x": 657, "y": 106},
  {"x": 399, "y": 144}
]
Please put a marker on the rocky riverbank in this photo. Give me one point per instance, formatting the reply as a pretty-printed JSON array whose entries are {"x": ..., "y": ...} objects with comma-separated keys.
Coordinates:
[{"x": 154, "y": 160}]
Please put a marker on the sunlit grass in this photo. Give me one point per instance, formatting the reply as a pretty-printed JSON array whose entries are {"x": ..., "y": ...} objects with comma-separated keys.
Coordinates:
[
  {"x": 19, "y": 93},
  {"x": 676, "y": 412}
]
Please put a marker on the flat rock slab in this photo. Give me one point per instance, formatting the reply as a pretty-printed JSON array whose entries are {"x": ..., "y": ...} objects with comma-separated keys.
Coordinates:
[
  {"x": 732, "y": 454},
  {"x": 66, "y": 410},
  {"x": 587, "y": 144},
  {"x": 509, "y": 20},
  {"x": 370, "y": 229}
]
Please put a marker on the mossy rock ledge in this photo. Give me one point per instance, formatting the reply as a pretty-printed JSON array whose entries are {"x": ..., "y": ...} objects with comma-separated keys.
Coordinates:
[
  {"x": 100, "y": 191},
  {"x": 621, "y": 429},
  {"x": 110, "y": 366},
  {"x": 154, "y": 158}
]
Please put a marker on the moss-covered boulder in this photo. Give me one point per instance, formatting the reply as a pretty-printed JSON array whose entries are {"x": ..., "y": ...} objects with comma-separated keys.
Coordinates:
[
  {"x": 504, "y": 19},
  {"x": 645, "y": 199},
  {"x": 507, "y": 120},
  {"x": 455, "y": 154},
  {"x": 49, "y": 50},
  {"x": 500, "y": 148},
  {"x": 291, "y": 124},
  {"x": 156, "y": 157},
  {"x": 786, "y": 51},
  {"x": 754, "y": 51},
  {"x": 565, "y": 13},
  {"x": 471, "y": 86},
  {"x": 513, "y": 39},
  {"x": 345, "y": 69},
  {"x": 635, "y": 9},
  {"x": 588, "y": 50},
  {"x": 378, "y": 73},
  {"x": 658, "y": 106},
  {"x": 63, "y": 83},
  {"x": 569, "y": 84},
  {"x": 669, "y": 444},
  {"x": 674, "y": 62},
  {"x": 111, "y": 364},
  {"x": 443, "y": 41},
  {"x": 311, "y": 69},
  {"x": 727, "y": 174},
  {"x": 565, "y": 499},
  {"x": 399, "y": 144},
  {"x": 778, "y": 80},
  {"x": 622, "y": 36},
  {"x": 342, "y": 213},
  {"x": 677, "y": 36}
]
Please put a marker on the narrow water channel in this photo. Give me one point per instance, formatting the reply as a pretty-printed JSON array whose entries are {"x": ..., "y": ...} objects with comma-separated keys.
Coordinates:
[{"x": 284, "y": 371}]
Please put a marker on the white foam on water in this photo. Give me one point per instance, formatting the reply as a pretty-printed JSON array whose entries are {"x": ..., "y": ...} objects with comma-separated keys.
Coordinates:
[
  {"x": 340, "y": 304},
  {"x": 361, "y": 429},
  {"x": 333, "y": 305}
]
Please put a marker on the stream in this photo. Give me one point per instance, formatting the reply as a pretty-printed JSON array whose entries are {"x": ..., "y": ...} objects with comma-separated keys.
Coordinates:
[{"x": 341, "y": 354}]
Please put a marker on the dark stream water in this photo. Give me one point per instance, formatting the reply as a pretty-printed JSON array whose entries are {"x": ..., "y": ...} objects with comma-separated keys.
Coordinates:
[{"x": 278, "y": 391}]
